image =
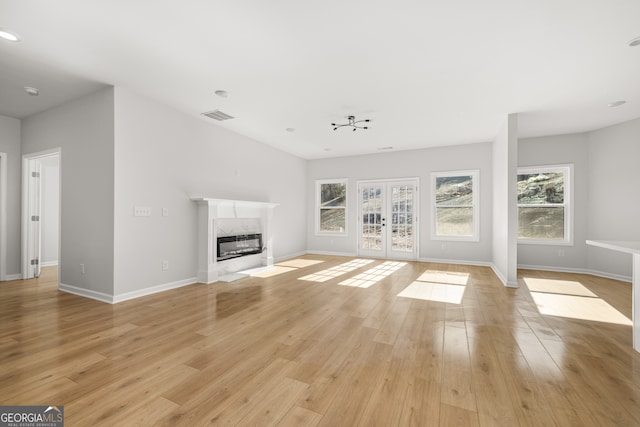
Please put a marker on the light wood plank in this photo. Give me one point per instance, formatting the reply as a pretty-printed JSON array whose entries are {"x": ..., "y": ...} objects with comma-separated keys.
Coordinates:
[{"x": 277, "y": 350}]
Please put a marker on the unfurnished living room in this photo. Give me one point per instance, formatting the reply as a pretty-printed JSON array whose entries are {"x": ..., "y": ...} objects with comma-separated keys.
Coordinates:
[{"x": 335, "y": 213}]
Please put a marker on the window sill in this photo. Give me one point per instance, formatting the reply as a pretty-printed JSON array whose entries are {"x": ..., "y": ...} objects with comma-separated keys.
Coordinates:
[{"x": 545, "y": 242}]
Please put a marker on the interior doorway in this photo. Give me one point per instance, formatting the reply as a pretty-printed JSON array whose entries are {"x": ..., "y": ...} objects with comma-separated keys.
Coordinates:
[
  {"x": 3, "y": 216},
  {"x": 40, "y": 211},
  {"x": 387, "y": 219}
]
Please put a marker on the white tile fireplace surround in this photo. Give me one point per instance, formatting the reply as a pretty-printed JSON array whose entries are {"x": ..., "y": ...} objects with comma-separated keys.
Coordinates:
[{"x": 226, "y": 218}]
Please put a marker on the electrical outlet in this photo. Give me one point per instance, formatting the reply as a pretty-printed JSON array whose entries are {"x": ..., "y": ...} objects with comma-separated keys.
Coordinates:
[
  {"x": 561, "y": 252},
  {"x": 165, "y": 212},
  {"x": 142, "y": 211},
  {"x": 81, "y": 268},
  {"x": 165, "y": 265}
]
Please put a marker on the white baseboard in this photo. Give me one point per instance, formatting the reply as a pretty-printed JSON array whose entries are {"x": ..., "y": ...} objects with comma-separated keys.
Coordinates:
[
  {"x": 294, "y": 255},
  {"x": 87, "y": 293},
  {"x": 577, "y": 270},
  {"x": 153, "y": 290},
  {"x": 49, "y": 263},
  {"x": 17, "y": 276},
  {"x": 350, "y": 254},
  {"x": 456, "y": 261},
  {"x": 113, "y": 299}
]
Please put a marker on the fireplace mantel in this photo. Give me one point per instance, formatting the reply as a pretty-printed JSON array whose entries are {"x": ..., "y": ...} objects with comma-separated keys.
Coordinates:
[{"x": 211, "y": 213}]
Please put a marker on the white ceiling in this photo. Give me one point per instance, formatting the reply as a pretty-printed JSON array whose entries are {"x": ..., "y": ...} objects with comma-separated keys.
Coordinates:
[{"x": 427, "y": 73}]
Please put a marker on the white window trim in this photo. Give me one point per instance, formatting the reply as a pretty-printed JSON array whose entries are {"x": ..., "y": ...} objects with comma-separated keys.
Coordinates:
[
  {"x": 319, "y": 182},
  {"x": 567, "y": 170},
  {"x": 475, "y": 174}
]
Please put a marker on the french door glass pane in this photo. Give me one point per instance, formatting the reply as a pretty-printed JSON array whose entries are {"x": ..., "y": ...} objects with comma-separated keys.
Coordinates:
[
  {"x": 402, "y": 218},
  {"x": 371, "y": 218}
]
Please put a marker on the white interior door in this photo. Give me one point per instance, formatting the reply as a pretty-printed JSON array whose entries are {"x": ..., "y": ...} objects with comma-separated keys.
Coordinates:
[
  {"x": 388, "y": 219},
  {"x": 33, "y": 218}
]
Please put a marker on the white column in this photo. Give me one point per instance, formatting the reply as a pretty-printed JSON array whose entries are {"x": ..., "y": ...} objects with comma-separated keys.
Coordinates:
[{"x": 635, "y": 290}]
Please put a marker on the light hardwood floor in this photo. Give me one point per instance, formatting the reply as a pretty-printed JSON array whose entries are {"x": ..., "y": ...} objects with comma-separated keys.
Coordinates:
[{"x": 278, "y": 350}]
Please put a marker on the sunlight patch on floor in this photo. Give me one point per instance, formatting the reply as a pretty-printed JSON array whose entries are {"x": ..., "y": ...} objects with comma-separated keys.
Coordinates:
[
  {"x": 284, "y": 267},
  {"x": 438, "y": 286},
  {"x": 373, "y": 275},
  {"x": 550, "y": 286},
  {"x": 299, "y": 263},
  {"x": 579, "y": 307},
  {"x": 439, "y": 292},
  {"x": 338, "y": 270},
  {"x": 448, "y": 277},
  {"x": 277, "y": 269}
]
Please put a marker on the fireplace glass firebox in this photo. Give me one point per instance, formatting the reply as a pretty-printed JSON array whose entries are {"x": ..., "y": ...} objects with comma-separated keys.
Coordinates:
[{"x": 237, "y": 246}]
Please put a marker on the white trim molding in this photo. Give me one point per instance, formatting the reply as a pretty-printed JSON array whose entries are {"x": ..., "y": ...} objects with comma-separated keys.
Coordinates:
[
  {"x": 153, "y": 290},
  {"x": 597, "y": 273},
  {"x": 3, "y": 217},
  {"x": 87, "y": 293},
  {"x": 114, "y": 299}
]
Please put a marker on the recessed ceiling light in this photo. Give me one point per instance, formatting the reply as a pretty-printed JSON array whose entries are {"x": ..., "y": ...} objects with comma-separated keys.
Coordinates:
[
  {"x": 385, "y": 148},
  {"x": 634, "y": 42},
  {"x": 8, "y": 35},
  {"x": 222, "y": 93},
  {"x": 616, "y": 103},
  {"x": 32, "y": 91},
  {"x": 327, "y": 149},
  {"x": 290, "y": 129}
]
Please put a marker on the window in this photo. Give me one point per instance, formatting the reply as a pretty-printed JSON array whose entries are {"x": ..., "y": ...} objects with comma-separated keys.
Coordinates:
[
  {"x": 544, "y": 202},
  {"x": 331, "y": 211},
  {"x": 455, "y": 205}
]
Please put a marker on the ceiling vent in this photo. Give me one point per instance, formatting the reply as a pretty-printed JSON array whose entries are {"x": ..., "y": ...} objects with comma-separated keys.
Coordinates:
[{"x": 217, "y": 115}]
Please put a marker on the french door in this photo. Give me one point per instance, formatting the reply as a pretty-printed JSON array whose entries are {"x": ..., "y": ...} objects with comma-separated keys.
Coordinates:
[{"x": 387, "y": 219}]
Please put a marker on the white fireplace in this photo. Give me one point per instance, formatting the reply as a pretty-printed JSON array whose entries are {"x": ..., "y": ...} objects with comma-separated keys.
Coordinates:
[{"x": 233, "y": 235}]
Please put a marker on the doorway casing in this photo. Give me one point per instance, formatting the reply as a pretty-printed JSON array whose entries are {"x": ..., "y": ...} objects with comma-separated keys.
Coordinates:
[
  {"x": 3, "y": 216},
  {"x": 31, "y": 236}
]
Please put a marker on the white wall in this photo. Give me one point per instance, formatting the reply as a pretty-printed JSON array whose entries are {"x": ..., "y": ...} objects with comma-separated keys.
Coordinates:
[
  {"x": 50, "y": 210},
  {"x": 406, "y": 164},
  {"x": 552, "y": 150},
  {"x": 10, "y": 144},
  {"x": 162, "y": 158},
  {"x": 83, "y": 129},
  {"x": 613, "y": 200},
  {"x": 505, "y": 215}
]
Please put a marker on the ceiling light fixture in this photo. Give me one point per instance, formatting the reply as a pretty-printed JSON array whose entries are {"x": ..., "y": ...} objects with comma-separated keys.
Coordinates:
[
  {"x": 9, "y": 36},
  {"x": 222, "y": 93},
  {"x": 634, "y": 42},
  {"x": 32, "y": 91},
  {"x": 353, "y": 123},
  {"x": 616, "y": 103},
  {"x": 291, "y": 130}
]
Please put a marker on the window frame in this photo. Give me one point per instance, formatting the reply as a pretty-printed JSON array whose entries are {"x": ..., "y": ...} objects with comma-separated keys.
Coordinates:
[
  {"x": 567, "y": 171},
  {"x": 319, "y": 208},
  {"x": 475, "y": 205}
]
